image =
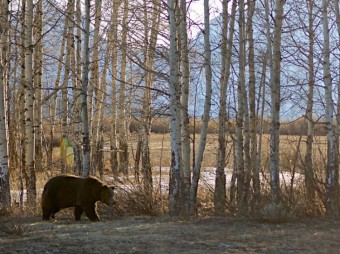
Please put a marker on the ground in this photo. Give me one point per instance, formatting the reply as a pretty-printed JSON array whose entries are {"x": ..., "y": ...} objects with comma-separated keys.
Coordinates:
[{"x": 168, "y": 235}]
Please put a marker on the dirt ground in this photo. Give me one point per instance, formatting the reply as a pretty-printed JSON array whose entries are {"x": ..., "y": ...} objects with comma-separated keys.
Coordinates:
[{"x": 167, "y": 235}]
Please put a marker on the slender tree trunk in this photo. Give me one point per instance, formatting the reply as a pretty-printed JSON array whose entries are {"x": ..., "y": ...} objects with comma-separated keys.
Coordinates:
[
  {"x": 55, "y": 96},
  {"x": 254, "y": 167},
  {"x": 5, "y": 196},
  {"x": 76, "y": 84},
  {"x": 95, "y": 87},
  {"x": 185, "y": 70},
  {"x": 239, "y": 142},
  {"x": 29, "y": 106},
  {"x": 206, "y": 113},
  {"x": 38, "y": 28},
  {"x": 84, "y": 81},
  {"x": 227, "y": 44},
  {"x": 149, "y": 58},
  {"x": 332, "y": 173},
  {"x": 175, "y": 136},
  {"x": 309, "y": 171},
  {"x": 123, "y": 146},
  {"x": 114, "y": 67},
  {"x": 65, "y": 127},
  {"x": 22, "y": 112},
  {"x": 275, "y": 103}
]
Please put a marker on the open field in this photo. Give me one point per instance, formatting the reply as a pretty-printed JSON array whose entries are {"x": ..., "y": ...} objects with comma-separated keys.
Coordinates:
[{"x": 169, "y": 235}]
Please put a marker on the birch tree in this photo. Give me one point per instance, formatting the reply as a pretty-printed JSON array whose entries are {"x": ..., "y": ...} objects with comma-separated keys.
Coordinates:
[
  {"x": 174, "y": 107},
  {"x": 239, "y": 142},
  {"x": 114, "y": 67},
  {"x": 275, "y": 86},
  {"x": 226, "y": 48},
  {"x": 64, "y": 91},
  {"x": 309, "y": 173},
  {"x": 5, "y": 198},
  {"x": 29, "y": 108},
  {"x": 332, "y": 174},
  {"x": 94, "y": 88},
  {"x": 38, "y": 64},
  {"x": 150, "y": 40},
  {"x": 84, "y": 81},
  {"x": 123, "y": 146},
  {"x": 185, "y": 86},
  {"x": 254, "y": 166},
  {"x": 206, "y": 113}
]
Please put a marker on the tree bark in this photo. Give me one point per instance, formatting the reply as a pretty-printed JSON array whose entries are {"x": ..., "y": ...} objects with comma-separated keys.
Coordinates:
[
  {"x": 175, "y": 136},
  {"x": 29, "y": 107},
  {"x": 332, "y": 174},
  {"x": 5, "y": 196},
  {"x": 275, "y": 104},
  {"x": 84, "y": 81},
  {"x": 309, "y": 170}
]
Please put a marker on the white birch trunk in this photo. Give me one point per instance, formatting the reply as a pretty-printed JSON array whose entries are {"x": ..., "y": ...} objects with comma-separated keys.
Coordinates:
[
  {"x": 332, "y": 170},
  {"x": 29, "y": 106},
  {"x": 174, "y": 185},
  {"x": 96, "y": 86},
  {"x": 84, "y": 81}
]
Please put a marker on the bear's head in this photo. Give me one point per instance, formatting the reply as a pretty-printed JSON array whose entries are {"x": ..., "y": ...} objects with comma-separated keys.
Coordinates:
[{"x": 106, "y": 195}]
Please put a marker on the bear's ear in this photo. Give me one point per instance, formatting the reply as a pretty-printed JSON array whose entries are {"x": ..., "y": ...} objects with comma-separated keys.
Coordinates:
[{"x": 112, "y": 187}]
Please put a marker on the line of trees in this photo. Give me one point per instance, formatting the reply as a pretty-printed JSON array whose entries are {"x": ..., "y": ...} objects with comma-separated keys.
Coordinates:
[{"x": 65, "y": 67}]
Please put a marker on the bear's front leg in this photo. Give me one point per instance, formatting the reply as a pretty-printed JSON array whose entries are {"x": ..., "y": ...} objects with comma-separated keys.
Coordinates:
[
  {"x": 78, "y": 212},
  {"x": 90, "y": 212}
]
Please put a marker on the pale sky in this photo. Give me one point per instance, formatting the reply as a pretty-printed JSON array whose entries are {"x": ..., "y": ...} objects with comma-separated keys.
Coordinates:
[{"x": 196, "y": 11}]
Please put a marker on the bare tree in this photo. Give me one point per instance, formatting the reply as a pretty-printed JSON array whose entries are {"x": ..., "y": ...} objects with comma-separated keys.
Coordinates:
[
  {"x": 150, "y": 40},
  {"x": 29, "y": 105},
  {"x": 5, "y": 198},
  {"x": 122, "y": 128},
  {"x": 114, "y": 67},
  {"x": 239, "y": 142},
  {"x": 38, "y": 64},
  {"x": 206, "y": 113},
  {"x": 275, "y": 86},
  {"x": 309, "y": 171},
  {"x": 175, "y": 137},
  {"x": 226, "y": 48},
  {"x": 254, "y": 166},
  {"x": 185, "y": 87},
  {"x": 84, "y": 81},
  {"x": 332, "y": 202}
]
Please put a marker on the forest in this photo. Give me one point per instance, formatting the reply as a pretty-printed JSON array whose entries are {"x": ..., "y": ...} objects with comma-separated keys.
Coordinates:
[{"x": 153, "y": 96}]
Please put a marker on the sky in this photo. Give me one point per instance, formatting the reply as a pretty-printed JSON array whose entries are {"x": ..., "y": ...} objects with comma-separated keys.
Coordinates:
[{"x": 196, "y": 12}]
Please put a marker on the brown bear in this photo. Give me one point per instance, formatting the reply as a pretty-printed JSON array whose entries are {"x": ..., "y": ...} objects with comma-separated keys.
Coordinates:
[{"x": 72, "y": 191}]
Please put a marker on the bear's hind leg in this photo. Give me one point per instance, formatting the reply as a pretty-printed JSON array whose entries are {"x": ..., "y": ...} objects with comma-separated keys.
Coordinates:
[{"x": 77, "y": 212}]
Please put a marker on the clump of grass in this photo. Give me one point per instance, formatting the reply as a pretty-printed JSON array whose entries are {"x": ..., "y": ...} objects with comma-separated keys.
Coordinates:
[
  {"x": 133, "y": 199},
  {"x": 14, "y": 229}
]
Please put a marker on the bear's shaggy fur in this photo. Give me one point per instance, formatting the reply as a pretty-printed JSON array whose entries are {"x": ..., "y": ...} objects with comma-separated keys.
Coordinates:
[{"x": 73, "y": 191}]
